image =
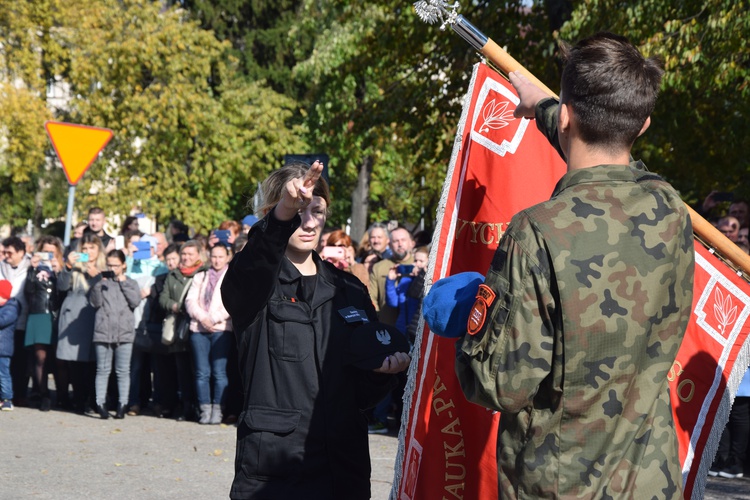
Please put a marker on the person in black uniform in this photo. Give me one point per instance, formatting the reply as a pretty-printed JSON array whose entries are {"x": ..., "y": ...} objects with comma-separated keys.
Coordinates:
[{"x": 303, "y": 433}]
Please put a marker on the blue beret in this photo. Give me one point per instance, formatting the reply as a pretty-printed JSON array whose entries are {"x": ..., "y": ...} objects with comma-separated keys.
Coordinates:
[{"x": 447, "y": 306}]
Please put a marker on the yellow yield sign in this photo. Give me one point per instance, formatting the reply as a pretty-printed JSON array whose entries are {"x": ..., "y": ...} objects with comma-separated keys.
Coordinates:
[{"x": 77, "y": 146}]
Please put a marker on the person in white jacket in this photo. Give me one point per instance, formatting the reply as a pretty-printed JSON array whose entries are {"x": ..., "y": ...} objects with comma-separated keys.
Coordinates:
[{"x": 210, "y": 336}]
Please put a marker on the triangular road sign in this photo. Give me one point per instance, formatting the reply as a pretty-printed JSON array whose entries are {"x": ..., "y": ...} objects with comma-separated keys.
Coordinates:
[{"x": 77, "y": 146}]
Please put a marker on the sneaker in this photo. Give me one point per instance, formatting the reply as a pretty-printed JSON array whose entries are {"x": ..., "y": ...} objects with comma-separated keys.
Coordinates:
[
  {"x": 377, "y": 428},
  {"x": 6, "y": 405},
  {"x": 731, "y": 472}
]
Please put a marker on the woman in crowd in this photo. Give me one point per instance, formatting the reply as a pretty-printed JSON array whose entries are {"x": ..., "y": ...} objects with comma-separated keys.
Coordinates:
[
  {"x": 130, "y": 224},
  {"x": 76, "y": 326},
  {"x": 114, "y": 297},
  {"x": 340, "y": 239},
  {"x": 171, "y": 301},
  {"x": 303, "y": 434},
  {"x": 210, "y": 336},
  {"x": 43, "y": 308},
  {"x": 162, "y": 356}
]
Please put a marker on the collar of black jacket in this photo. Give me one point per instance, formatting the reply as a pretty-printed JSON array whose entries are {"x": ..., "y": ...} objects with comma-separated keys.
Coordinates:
[{"x": 326, "y": 286}]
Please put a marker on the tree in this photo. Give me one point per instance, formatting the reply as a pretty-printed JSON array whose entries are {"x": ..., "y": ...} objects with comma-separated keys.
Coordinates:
[
  {"x": 29, "y": 55},
  {"x": 191, "y": 138},
  {"x": 698, "y": 134},
  {"x": 265, "y": 35},
  {"x": 386, "y": 94}
]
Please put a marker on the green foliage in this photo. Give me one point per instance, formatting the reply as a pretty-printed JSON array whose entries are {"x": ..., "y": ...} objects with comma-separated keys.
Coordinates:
[
  {"x": 265, "y": 35},
  {"x": 698, "y": 134},
  {"x": 388, "y": 86},
  {"x": 206, "y": 97},
  {"x": 190, "y": 136}
]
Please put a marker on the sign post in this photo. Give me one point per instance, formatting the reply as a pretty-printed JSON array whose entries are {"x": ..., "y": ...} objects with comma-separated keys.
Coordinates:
[{"x": 77, "y": 146}]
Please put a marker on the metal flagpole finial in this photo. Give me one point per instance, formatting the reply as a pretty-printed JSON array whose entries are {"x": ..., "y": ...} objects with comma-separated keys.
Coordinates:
[{"x": 433, "y": 11}]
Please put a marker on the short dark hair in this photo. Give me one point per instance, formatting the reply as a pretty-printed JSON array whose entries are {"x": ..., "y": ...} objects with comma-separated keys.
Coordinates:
[
  {"x": 117, "y": 253},
  {"x": 172, "y": 248},
  {"x": 15, "y": 242},
  {"x": 96, "y": 210},
  {"x": 610, "y": 87}
]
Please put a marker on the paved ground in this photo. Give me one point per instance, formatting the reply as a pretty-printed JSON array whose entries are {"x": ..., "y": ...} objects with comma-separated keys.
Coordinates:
[{"x": 59, "y": 455}]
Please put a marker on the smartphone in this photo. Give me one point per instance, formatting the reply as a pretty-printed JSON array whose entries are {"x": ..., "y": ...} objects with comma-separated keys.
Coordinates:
[
  {"x": 723, "y": 196},
  {"x": 108, "y": 274},
  {"x": 405, "y": 269},
  {"x": 83, "y": 257},
  {"x": 335, "y": 253},
  {"x": 142, "y": 250},
  {"x": 119, "y": 242},
  {"x": 223, "y": 235},
  {"x": 44, "y": 255}
]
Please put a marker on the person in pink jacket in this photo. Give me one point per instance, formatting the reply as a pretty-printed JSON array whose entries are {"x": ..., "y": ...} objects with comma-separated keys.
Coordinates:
[{"x": 210, "y": 335}]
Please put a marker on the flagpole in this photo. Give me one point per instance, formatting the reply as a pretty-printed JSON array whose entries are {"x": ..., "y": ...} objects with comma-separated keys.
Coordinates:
[{"x": 432, "y": 11}]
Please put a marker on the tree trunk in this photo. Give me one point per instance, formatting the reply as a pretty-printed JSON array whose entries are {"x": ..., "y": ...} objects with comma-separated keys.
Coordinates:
[{"x": 361, "y": 200}]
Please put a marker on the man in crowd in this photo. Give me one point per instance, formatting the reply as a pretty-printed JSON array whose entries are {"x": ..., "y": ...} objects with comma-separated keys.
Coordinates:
[
  {"x": 401, "y": 245},
  {"x": 729, "y": 227},
  {"x": 587, "y": 299},
  {"x": 95, "y": 225},
  {"x": 379, "y": 238},
  {"x": 161, "y": 245},
  {"x": 14, "y": 268}
]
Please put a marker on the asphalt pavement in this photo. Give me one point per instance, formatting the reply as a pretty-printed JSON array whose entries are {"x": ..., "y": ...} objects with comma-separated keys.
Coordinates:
[{"x": 61, "y": 455}]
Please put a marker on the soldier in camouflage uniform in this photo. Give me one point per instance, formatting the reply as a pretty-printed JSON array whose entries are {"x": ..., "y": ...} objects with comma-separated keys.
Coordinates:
[{"x": 587, "y": 299}]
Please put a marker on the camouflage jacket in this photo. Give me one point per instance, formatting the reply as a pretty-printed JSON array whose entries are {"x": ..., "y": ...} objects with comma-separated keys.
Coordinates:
[{"x": 571, "y": 338}]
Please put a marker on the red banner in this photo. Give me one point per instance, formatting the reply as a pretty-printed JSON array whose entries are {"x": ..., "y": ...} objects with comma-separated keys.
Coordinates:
[
  {"x": 709, "y": 367},
  {"x": 500, "y": 166}
]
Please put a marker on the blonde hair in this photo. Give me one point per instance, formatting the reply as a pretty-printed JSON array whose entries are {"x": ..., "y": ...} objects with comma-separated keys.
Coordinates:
[
  {"x": 272, "y": 188},
  {"x": 80, "y": 283}
]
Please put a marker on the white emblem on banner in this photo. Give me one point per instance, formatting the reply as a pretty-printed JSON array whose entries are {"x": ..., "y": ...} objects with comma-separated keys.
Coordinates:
[
  {"x": 493, "y": 111},
  {"x": 720, "y": 310}
]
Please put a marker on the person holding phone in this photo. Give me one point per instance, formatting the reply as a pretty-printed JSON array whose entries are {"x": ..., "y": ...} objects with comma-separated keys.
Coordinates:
[
  {"x": 43, "y": 307},
  {"x": 75, "y": 356},
  {"x": 114, "y": 297},
  {"x": 226, "y": 234},
  {"x": 303, "y": 431},
  {"x": 344, "y": 246},
  {"x": 210, "y": 336}
]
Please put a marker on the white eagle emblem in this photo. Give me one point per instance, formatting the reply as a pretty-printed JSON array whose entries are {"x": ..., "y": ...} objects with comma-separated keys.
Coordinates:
[{"x": 383, "y": 337}]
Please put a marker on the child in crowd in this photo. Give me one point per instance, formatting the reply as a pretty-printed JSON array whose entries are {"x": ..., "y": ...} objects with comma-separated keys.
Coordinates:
[
  {"x": 114, "y": 298},
  {"x": 9, "y": 309},
  {"x": 397, "y": 285}
]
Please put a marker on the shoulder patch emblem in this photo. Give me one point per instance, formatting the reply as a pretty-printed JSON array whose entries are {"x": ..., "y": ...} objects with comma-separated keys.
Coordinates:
[
  {"x": 485, "y": 293},
  {"x": 477, "y": 317},
  {"x": 478, "y": 314}
]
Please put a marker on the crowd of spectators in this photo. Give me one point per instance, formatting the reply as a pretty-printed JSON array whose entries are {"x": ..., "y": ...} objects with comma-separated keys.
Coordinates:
[{"x": 91, "y": 315}]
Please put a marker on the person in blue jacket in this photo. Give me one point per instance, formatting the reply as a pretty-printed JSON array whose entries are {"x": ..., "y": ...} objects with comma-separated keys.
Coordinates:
[{"x": 9, "y": 311}]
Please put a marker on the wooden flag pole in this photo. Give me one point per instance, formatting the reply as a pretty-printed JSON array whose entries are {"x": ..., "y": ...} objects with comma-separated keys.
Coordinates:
[{"x": 438, "y": 10}]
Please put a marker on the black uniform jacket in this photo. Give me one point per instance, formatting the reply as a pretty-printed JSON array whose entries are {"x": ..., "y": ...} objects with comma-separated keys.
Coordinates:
[{"x": 303, "y": 433}]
